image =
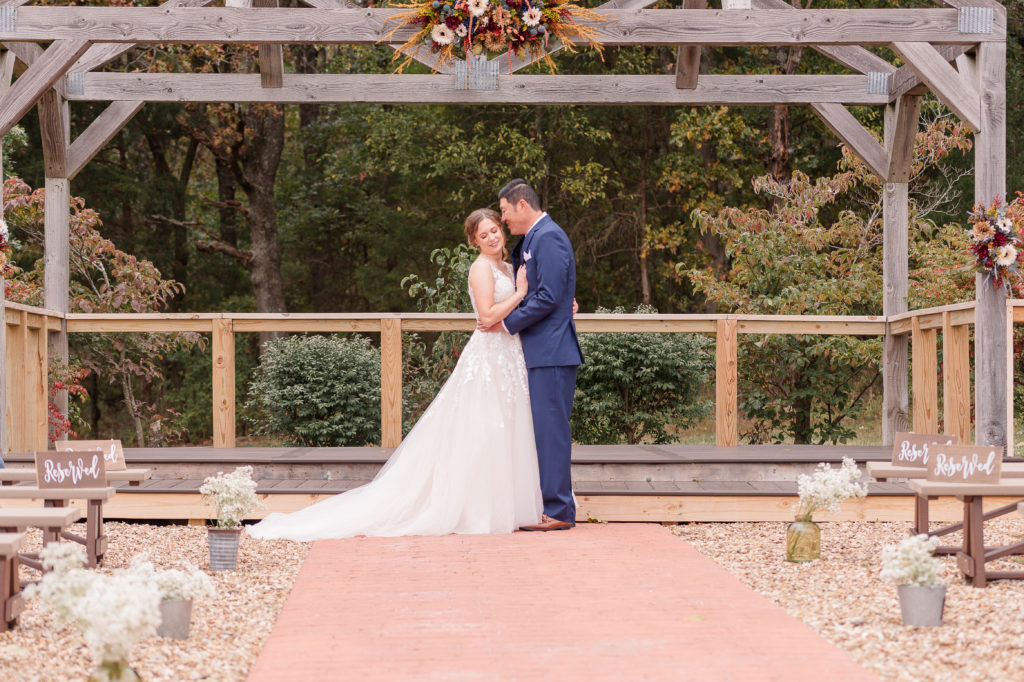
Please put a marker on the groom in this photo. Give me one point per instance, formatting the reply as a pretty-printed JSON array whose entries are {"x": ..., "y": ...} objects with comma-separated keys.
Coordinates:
[{"x": 544, "y": 324}]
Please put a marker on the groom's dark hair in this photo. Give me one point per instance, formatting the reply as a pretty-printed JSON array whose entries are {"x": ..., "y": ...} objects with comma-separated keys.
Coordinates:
[{"x": 518, "y": 190}]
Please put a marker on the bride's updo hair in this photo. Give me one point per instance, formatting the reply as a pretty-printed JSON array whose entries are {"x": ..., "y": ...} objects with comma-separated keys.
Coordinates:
[{"x": 474, "y": 219}]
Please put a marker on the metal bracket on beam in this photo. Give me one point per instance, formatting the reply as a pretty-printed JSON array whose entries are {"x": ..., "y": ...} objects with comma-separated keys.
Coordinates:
[
  {"x": 9, "y": 19},
  {"x": 878, "y": 83},
  {"x": 76, "y": 83},
  {"x": 482, "y": 74},
  {"x": 976, "y": 20}
]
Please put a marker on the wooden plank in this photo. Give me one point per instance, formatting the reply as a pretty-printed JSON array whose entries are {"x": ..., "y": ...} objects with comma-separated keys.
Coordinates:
[
  {"x": 14, "y": 367},
  {"x": 434, "y": 89},
  {"x": 37, "y": 79},
  {"x": 905, "y": 81},
  {"x": 990, "y": 333},
  {"x": 57, "y": 270},
  {"x": 170, "y": 325},
  {"x": 895, "y": 391},
  {"x": 391, "y": 382},
  {"x": 688, "y": 56},
  {"x": 726, "y": 380},
  {"x": 4, "y": 369},
  {"x": 994, "y": 4},
  {"x": 271, "y": 58},
  {"x": 40, "y": 390},
  {"x": 956, "y": 380},
  {"x": 307, "y": 325},
  {"x": 370, "y": 26},
  {"x": 1010, "y": 380},
  {"x": 852, "y": 57},
  {"x": 223, "y": 349},
  {"x": 934, "y": 70},
  {"x": 901, "y": 125},
  {"x": 873, "y": 328},
  {"x": 965, "y": 306},
  {"x": 925, "y": 373},
  {"x": 25, "y": 425},
  {"x": 848, "y": 129},
  {"x": 54, "y": 124},
  {"x": 101, "y": 131},
  {"x": 102, "y": 53}
]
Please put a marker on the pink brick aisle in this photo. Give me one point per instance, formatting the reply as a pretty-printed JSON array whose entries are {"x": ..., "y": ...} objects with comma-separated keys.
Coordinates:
[{"x": 599, "y": 602}]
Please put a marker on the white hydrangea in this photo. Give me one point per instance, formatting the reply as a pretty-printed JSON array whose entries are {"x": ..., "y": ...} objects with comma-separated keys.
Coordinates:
[
  {"x": 912, "y": 561},
  {"x": 232, "y": 495},
  {"x": 112, "y": 611},
  {"x": 828, "y": 487}
]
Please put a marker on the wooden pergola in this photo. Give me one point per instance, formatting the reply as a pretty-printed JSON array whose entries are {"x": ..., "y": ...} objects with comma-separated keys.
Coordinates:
[{"x": 956, "y": 50}]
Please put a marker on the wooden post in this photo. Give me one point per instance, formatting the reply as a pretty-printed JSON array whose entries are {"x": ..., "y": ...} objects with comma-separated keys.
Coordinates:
[
  {"x": 990, "y": 347},
  {"x": 956, "y": 379},
  {"x": 726, "y": 379},
  {"x": 926, "y": 379},
  {"x": 390, "y": 382},
  {"x": 3, "y": 368},
  {"x": 57, "y": 268},
  {"x": 1011, "y": 424},
  {"x": 25, "y": 425},
  {"x": 895, "y": 398},
  {"x": 40, "y": 389},
  {"x": 223, "y": 384}
]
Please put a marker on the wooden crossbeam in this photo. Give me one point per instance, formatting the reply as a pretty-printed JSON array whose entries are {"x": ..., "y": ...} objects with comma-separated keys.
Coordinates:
[
  {"x": 903, "y": 118},
  {"x": 102, "y": 53},
  {"x": 436, "y": 89},
  {"x": 855, "y": 58},
  {"x": 688, "y": 56},
  {"x": 37, "y": 79},
  {"x": 934, "y": 70},
  {"x": 103, "y": 129},
  {"x": 994, "y": 4},
  {"x": 625, "y": 27},
  {"x": 848, "y": 129}
]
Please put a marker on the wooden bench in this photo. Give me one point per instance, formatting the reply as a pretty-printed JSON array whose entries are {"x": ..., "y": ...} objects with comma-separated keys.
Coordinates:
[
  {"x": 973, "y": 556},
  {"x": 95, "y": 541},
  {"x": 52, "y": 521},
  {"x": 882, "y": 471},
  {"x": 134, "y": 477},
  {"x": 11, "y": 601}
]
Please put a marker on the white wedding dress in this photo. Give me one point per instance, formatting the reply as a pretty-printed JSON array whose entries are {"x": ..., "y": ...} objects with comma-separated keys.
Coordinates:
[{"x": 468, "y": 466}]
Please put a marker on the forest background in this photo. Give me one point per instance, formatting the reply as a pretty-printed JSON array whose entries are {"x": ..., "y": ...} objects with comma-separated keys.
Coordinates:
[{"x": 331, "y": 208}]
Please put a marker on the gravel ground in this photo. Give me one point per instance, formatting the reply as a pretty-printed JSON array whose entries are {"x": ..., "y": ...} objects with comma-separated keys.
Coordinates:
[
  {"x": 843, "y": 598},
  {"x": 227, "y": 632}
]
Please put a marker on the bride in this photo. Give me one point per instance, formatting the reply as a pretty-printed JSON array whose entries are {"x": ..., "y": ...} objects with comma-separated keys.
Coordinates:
[{"x": 470, "y": 463}]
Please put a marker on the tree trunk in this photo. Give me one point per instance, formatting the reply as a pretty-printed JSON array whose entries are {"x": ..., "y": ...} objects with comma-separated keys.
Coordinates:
[
  {"x": 780, "y": 126},
  {"x": 645, "y": 282}
]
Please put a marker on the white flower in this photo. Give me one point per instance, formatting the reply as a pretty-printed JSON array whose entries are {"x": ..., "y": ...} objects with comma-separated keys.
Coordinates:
[
  {"x": 532, "y": 16},
  {"x": 442, "y": 35},
  {"x": 1004, "y": 225},
  {"x": 188, "y": 582},
  {"x": 461, "y": 30},
  {"x": 912, "y": 561},
  {"x": 1006, "y": 255},
  {"x": 828, "y": 487},
  {"x": 478, "y": 7},
  {"x": 5, "y": 232},
  {"x": 232, "y": 495}
]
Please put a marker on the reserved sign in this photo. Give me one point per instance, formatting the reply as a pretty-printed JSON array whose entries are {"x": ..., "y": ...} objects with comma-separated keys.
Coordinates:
[
  {"x": 113, "y": 454},
  {"x": 912, "y": 449},
  {"x": 965, "y": 463},
  {"x": 55, "y": 469}
]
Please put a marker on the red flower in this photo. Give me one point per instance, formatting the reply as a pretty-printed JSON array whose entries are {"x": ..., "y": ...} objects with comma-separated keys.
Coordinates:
[{"x": 452, "y": 23}]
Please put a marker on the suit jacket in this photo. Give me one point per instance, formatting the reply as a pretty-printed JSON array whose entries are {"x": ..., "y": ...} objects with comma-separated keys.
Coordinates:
[{"x": 544, "y": 318}]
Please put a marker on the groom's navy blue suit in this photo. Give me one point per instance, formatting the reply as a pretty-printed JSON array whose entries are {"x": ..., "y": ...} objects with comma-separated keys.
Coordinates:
[{"x": 544, "y": 323}]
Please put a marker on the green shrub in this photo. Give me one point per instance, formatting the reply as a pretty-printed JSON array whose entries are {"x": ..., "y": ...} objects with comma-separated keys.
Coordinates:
[
  {"x": 318, "y": 391},
  {"x": 633, "y": 385}
]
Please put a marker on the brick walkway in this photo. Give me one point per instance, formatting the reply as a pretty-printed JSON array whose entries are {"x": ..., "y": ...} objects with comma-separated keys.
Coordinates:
[{"x": 600, "y": 602}]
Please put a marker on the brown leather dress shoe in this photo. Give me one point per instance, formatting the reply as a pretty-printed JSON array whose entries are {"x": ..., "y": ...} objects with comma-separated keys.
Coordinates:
[{"x": 548, "y": 523}]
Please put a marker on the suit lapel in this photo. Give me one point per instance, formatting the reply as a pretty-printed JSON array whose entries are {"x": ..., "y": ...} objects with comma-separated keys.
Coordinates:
[{"x": 517, "y": 254}]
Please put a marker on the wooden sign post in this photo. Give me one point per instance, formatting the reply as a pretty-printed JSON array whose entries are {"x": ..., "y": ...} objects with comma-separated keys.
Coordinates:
[
  {"x": 965, "y": 463},
  {"x": 912, "y": 449},
  {"x": 70, "y": 469},
  {"x": 113, "y": 453}
]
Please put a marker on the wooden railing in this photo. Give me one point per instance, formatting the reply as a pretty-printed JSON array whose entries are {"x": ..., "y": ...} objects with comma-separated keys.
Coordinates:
[
  {"x": 1014, "y": 314},
  {"x": 24, "y": 421},
  {"x": 954, "y": 321},
  {"x": 224, "y": 326}
]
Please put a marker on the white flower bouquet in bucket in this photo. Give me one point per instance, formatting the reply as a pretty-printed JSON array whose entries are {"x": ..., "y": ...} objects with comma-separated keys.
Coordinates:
[
  {"x": 112, "y": 611},
  {"x": 233, "y": 497},
  {"x": 913, "y": 566},
  {"x": 178, "y": 588},
  {"x": 826, "y": 488}
]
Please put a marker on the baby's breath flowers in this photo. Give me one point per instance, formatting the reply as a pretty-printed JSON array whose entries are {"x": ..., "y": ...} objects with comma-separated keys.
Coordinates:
[
  {"x": 233, "y": 496},
  {"x": 827, "y": 488},
  {"x": 912, "y": 561}
]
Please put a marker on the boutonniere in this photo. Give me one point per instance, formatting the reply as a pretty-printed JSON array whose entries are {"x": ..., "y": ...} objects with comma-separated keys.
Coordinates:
[{"x": 527, "y": 256}]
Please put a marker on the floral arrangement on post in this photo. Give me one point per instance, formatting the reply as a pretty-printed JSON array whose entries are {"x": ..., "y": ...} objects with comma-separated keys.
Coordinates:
[
  {"x": 912, "y": 561},
  {"x": 112, "y": 611},
  {"x": 826, "y": 488},
  {"x": 233, "y": 496},
  {"x": 995, "y": 238},
  {"x": 454, "y": 29}
]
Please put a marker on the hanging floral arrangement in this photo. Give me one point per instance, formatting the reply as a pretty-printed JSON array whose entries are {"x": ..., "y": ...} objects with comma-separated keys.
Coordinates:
[
  {"x": 455, "y": 29},
  {"x": 995, "y": 238}
]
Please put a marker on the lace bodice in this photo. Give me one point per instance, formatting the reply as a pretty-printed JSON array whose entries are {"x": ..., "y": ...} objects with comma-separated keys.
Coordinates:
[{"x": 504, "y": 285}]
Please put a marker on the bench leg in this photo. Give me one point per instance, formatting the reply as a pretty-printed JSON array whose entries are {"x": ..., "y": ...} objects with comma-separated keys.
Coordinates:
[
  {"x": 95, "y": 540},
  {"x": 920, "y": 514},
  {"x": 973, "y": 555},
  {"x": 11, "y": 601}
]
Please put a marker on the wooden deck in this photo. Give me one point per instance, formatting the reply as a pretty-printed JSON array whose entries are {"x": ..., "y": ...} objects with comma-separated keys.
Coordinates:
[{"x": 612, "y": 482}]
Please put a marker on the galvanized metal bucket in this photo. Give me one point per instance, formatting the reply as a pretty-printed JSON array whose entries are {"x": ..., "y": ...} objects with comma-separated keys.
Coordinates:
[
  {"x": 922, "y": 604},
  {"x": 223, "y": 548},
  {"x": 175, "y": 618}
]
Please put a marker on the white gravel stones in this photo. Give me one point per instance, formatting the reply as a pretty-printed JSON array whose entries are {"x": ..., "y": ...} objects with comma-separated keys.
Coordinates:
[{"x": 843, "y": 598}]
